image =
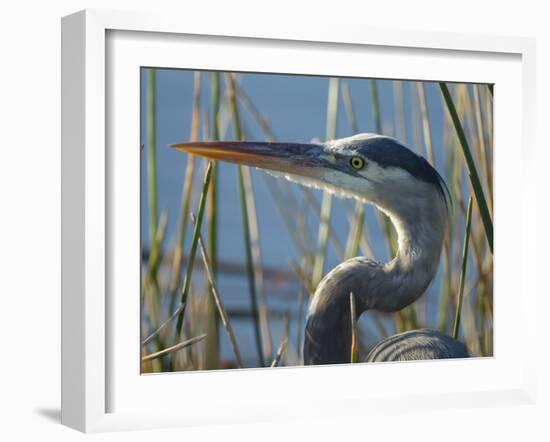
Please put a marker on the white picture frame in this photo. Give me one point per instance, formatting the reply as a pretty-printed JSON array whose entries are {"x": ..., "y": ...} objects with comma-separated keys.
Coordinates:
[{"x": 92, "y": 320}]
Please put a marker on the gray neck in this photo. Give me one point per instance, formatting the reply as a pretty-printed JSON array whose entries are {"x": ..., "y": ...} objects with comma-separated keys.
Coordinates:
[{"x": 385, "y": 287}]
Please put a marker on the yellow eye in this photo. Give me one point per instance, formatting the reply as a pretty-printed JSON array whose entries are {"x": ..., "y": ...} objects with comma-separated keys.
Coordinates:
[{"x": 357, "y": 163}]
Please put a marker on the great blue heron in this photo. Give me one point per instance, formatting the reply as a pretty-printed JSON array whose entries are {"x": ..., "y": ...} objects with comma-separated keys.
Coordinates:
[{"x": 403, "y": 185}]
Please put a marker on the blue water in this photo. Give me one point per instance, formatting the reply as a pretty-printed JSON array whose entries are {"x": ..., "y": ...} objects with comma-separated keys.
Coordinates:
[{"x": 295, "y": 107}]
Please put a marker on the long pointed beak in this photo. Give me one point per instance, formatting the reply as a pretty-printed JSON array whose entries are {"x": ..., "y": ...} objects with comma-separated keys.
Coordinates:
[{"x": 292, "y": 158}]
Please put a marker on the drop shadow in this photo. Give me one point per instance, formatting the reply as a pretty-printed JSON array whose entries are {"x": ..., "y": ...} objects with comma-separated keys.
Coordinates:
[{"x": 51, "y": 414}]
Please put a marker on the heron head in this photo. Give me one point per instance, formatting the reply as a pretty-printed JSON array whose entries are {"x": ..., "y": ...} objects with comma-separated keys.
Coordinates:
[{"x": 369, "y": 167}]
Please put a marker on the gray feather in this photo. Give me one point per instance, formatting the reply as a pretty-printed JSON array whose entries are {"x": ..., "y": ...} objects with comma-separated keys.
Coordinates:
[{"x": 417, "y": 345}]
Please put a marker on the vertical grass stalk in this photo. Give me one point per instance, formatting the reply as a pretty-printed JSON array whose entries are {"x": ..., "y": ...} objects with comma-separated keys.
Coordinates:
[
  {"x": 426, "y": 129},
  {"x": 246, "y": 220},
  {"x": 375, "y": 100},
  {"x": 481, "y": 143},
  {"x": 154, "y": 244},
  {"x": 213, "y": 199},
  {"x": 472, "y": 171},
  {"x": 193, "y": 251},
  {"x": 353, "y": 315},
  {"x": 326, "y": 205},
  {"x": 217, "y": 298},
  {"x": 212, "y": 342},
  {"x": 284, "y": 342},
  {"x": 254, "y": 229},
  {"x": 399, "y": 111},
  {"x": 257, "y": 263},
  {"x": 152, "y": 153},
  {"x": 356, "y": 232},
  {"x": 186, "y": 194},
  {"x": 463, "y": 269}
]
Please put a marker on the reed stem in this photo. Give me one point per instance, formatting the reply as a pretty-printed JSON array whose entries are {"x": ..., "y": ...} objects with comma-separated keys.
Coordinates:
[
  {"x": 284, "y": 342},
  {"x": 186, "y": 193},
  {"x": 353, "y": 315},
  {"x": 326, "y": 205},
  {"x": 463, "y": 270},
  {"x": 472, "y": 171},
  {"x": 426, "y": 129},
  {"x": 173, "y": 348},
  {"x": 152, "y": 153},
  {"x": 242, "y": 170},
  {"x": 212, "y": 216},
  {"x": 193, "y": 251},
  {"x": 217, "y": 298}
]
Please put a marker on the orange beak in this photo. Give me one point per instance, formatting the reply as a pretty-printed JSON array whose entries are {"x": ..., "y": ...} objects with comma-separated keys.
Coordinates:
[{"x": 291, "y": 158}]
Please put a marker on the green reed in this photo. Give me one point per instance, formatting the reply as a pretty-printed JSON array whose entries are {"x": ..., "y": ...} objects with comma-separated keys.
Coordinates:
[
  {"x": 472, "y": 170},
  {"x": 186, "y": 195},
  {"x": 354, "y": 343},
  {"x": 326, "y": 205},
  {"x": 152, "y": 152},
  {"x": 463, "y": 269},
  {"x": 356, "y": 232},
  {"x": 194, "y": 244},
  {"x": 473, "y": 315},
  {"x": 219, "y": 304},
  {"x": 243, "y": 190}
]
